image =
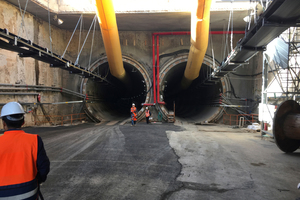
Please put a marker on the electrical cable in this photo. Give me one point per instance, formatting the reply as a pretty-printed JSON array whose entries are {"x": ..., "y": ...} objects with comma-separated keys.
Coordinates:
[
  {"x": 228, "y": 26},
  {"x": 212, "y": 51},
  {"x": 23, "y": 22},
  {"x": 252, "y": 75},
  {"x": 94, "y": 20},
  {"x": 174, "y": 53},
  {"x": 92, "y": 45},
  {"x": 72, "y": 36},
  {"x": 80, "y": 34},
  {"x": 231, "y": 35},
  {"x": 50, "y": 28},
  {"x": 232, "y": 89}
]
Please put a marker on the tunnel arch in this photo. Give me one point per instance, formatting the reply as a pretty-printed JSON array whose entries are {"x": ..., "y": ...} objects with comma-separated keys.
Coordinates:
[
  {"x": 200, "y": 109},
  {"x": 101, "y": 108}
]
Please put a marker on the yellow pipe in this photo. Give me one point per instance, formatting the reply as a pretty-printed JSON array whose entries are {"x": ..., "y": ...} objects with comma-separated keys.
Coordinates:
[
  {"x": 109, "y": 29},
  {"x": 200, "y": 18}
]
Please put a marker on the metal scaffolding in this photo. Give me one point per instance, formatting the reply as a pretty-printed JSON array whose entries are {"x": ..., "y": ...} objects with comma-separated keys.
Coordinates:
[{"x": 280, "y": 77}]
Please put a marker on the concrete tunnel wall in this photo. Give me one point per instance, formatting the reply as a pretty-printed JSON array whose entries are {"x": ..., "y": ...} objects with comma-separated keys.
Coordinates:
[
  {"x": 113, "y": 99},
  {"x": 136, "y": 45},
  {"x": 198, "y": 102}
]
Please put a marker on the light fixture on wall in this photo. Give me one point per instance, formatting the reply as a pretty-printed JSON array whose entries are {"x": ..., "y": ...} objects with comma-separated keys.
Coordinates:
[
  {"x": 247, "y": 19},
  {"x": 59, "y": 21}
]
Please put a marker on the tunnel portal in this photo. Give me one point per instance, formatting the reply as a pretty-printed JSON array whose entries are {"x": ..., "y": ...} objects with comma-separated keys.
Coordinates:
[
  {"x": 112, "y": 98},
  {"x": 200, "y": 102}
]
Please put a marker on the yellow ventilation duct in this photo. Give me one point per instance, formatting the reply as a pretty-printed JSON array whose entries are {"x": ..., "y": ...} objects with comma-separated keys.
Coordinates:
[
  {"x": 200, "y": 17},
  {"x": 108, "y": 24}
]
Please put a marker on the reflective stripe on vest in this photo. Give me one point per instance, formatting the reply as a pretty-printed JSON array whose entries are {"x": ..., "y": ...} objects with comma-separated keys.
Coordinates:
[
  {"x": 28, "y": 191},
  {"x": 18, "y": 155},
  {"x": 26, "y": 195}
]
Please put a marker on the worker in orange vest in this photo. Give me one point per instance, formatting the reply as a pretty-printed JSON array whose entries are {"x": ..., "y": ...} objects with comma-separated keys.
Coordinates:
[
  {"x": 23, "y": 160},
  {"x": 133, "y": 115},
  {"x": 147, "y": 114},
  {"x": 133, "y": 119}
]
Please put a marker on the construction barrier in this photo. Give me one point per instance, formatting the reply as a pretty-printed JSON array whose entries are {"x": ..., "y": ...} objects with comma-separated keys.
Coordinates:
[
  {"x": 59, "y": 119},
  {"x": 231, "y": 119}
]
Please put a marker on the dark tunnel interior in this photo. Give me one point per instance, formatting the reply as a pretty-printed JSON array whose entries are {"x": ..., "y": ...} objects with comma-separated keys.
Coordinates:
[
  {"x": 113, "y": 98},
  {"x": 199, "y": 101}
]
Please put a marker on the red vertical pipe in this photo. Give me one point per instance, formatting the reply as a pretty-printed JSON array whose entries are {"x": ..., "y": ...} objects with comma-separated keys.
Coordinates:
[
  {"x": 157, "y": 67},
  {"x": 153, "y": 65},
  {"x": 156, "y": 88}
]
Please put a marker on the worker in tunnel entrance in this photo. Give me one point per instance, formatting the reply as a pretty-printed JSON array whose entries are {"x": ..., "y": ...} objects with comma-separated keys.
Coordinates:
[
  {"x": 133, "y": 115},
  {"x": 24, "y": 162},
  {"x": 147, "y": 114}
]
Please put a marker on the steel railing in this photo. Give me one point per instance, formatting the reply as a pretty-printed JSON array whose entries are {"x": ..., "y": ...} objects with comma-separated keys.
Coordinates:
[
  {"x": 59, "y": 119},
  {"x": 233, "y": 119}
]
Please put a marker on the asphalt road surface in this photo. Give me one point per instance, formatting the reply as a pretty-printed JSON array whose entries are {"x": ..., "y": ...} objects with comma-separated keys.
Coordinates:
[{"x": 165, "y": 161}]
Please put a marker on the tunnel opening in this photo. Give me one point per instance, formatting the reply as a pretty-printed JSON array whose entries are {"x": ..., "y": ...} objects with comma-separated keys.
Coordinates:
[
  {"x": 112, "y": 98},
  {"x": 200, "y": 102}
]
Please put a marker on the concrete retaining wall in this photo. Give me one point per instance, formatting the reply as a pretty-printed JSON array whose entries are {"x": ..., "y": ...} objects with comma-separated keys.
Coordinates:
[{"x": 138, "y": 45}]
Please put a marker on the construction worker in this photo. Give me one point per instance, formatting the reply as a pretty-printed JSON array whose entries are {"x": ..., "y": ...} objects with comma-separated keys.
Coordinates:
[
  {"x": 24, "y": 162},
  {"x": 147, "y": 114},
  {"x": 133, "y": 119},
  {"x": 133, "y": 114}
]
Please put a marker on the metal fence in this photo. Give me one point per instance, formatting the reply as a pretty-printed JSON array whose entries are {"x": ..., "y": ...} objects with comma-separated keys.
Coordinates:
[
  {"x": 59, "y": 119},
  {"x": 240, "y": 119}
]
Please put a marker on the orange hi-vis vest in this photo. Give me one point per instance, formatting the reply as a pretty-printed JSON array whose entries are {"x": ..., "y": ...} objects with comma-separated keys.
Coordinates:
[
  {"x": 133, "y": 109},
  {"x": 147, "y": 113},
  {"x": 18, "y": 156},
  {"x": 133, "y": 116}
]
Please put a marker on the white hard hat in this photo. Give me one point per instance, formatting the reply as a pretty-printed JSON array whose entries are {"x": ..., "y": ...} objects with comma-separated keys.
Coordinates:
[
  {"x": 133, "y": 104},
  {"x": 11, "y": 108},
  {"x": 146, "y": 107}
]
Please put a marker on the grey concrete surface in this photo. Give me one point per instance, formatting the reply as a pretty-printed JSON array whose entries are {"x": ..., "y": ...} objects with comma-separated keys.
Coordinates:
[
  {"x": 166, "y": 161},
  {"x": 219, "y": 162},
  {"x": 109, "y": 162}
]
